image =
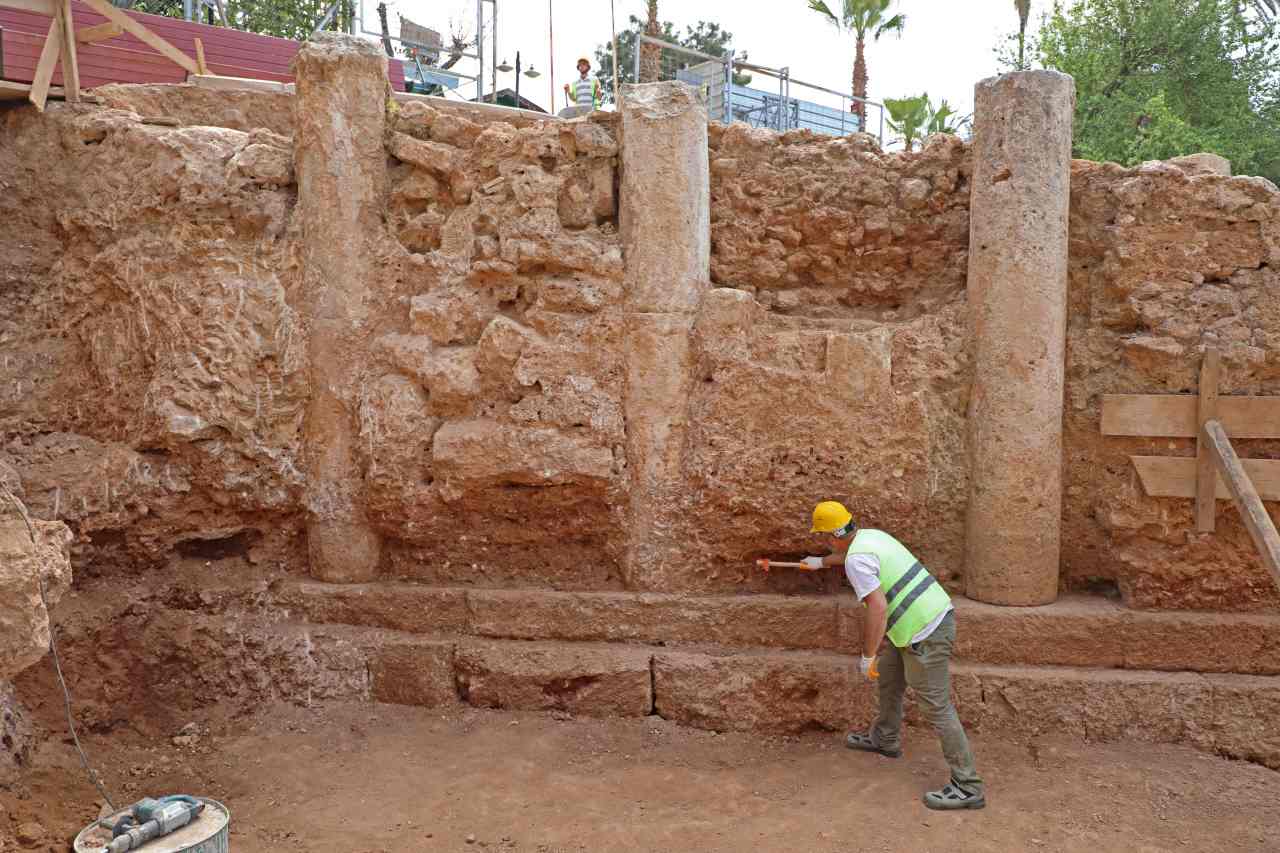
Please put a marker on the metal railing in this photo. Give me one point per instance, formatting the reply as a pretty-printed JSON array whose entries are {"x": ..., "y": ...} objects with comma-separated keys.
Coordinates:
[{"x": 778, "y": 109}]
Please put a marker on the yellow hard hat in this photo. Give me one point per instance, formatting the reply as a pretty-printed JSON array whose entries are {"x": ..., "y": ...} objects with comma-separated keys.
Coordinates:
[
  {"x": 830, "y": 516},
  {"x": 582, "y": 59}
]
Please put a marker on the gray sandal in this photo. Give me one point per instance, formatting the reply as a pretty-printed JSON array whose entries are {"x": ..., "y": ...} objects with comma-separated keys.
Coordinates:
[
  {"x": 865, "y": 743},
  {"x": 952, "y": 797}
]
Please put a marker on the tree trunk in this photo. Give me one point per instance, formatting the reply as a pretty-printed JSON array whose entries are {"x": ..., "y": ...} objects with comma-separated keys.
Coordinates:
[{"x": 860, "y": 83}]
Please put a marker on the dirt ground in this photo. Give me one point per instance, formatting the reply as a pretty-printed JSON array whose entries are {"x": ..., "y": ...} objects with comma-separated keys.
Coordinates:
[{"x": 353, "y": 778}]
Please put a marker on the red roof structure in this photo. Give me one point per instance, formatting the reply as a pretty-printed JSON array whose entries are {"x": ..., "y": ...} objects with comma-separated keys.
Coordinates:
[{"x": 125, "y": 59}]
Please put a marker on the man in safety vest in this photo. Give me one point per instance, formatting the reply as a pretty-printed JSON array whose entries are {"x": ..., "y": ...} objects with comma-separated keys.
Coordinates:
[
  {"x": 906, "y": 604},
  {"x": 583, "y": 93}
]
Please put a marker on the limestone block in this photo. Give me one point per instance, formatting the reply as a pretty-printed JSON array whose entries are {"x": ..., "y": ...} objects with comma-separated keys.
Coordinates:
[
  {"x": 417, "y": 185},
  {"x": 484, "y": 452},
  {"x": 1203, "y": 164},
  {"x": 395, "y": 432},
  {"x": 535, "y": 188},
  {"x": 501, "y": 345},
  {"x": 577, "y": 293},
  {"x": 449, "y": 316},
  {"x": 451, "y": 379},
  {"x": 601, "y": 180},
  {"x": 432, "y": 156},
  {"x": 265, "y": 164},
  {"x": 24, "y": 623},
  {"x": 573, "y": 401},
  {"x": 412, "y": 671},
  {"x": 795, "y": 692},
  {"x": 415, "y": 119},
  {"x": 582, "y": 679},
  {"x": 594, "y": 140},
  {"x": 575, "y": 208},
  {"x": 754, "y": 620},
  {"x": 411, "y": 608},
  {"x": 455, "y": 130}
]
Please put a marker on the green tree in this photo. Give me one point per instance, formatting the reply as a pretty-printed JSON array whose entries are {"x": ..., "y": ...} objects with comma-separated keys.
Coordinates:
[
  {"x": 1162, "y": 78},
  {"x": 293, "y": 19},
  {"x": 706, "y": 37},
  {"x": 861, "y": 17},
  {"x": 915, "y": 119}
]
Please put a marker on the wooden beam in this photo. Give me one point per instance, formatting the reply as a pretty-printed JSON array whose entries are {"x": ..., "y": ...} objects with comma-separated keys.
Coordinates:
[
  {"x": 134, "y": 28},
  {"x": 101, "y": 32},
  {"x": 1178, "y": 477},
  {"x": 1175, "y": 415},
  {"x": 200, "y": 63},
  {"x": 1255, "y": 516},
  {"x": 221, "y": 82},
  {"x": 40, "y": 7},
  {"x": 70, "y": 65},
  {"x": 13, "y": 91},
  {"x": 44, "y": 68},
  {"x": 1206, "y": 473}
]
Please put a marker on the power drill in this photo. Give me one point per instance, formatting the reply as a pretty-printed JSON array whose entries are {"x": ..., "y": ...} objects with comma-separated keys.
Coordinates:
[{"x": 149, "y": 818}]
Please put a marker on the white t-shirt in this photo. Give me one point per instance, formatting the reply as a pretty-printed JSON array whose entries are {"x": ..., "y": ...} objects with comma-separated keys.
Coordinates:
[{"x": 863, "y": 571}]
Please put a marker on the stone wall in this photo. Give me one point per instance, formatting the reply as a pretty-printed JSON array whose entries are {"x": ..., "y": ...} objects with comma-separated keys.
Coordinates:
[
  {"x": 847, "y": 374},
  {"x": 154, "y": 373},
  {"x": 1164, "y": 260}
]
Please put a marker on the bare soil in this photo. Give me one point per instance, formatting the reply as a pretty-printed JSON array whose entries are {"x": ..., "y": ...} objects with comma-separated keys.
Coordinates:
[{"x": 351, "y": 778}]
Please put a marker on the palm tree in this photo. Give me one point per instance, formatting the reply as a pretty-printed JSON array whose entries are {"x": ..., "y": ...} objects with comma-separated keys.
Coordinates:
[
  {"x": 861, "y": 17},
  {"x": 651, "y": 54},
  {"x": 1024, "y": 12}
]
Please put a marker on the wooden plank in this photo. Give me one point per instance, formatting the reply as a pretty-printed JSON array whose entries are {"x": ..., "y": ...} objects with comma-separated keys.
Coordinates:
[
  {"x": 1174, "y": 415},
  {"x": 1256, "y": 519},
  {"x": 13, "y": 91},
  {"x": 100, "y": 32},
  {"x": 1178, "y": 477},
  {"x": 200, "y": 63},
  {"x": 44, "y": 68},
  {"x": 70, "y": 68},
  {"x": 99, "y": 63},
  {"x": 40, "y": 7},
  {"x": 137, "y": 30},
  {"x": 1206, "y": 473},
  {"x": 216, "y": 81}
]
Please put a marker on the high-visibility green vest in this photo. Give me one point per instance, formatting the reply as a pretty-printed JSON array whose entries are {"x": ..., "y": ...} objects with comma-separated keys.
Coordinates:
[
  {"x": 915, "y": 598},
  {"x": 583, "y": 96}
]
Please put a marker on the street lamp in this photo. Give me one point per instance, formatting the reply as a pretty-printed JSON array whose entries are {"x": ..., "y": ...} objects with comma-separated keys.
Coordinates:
[{"x": 530, "y": 73}]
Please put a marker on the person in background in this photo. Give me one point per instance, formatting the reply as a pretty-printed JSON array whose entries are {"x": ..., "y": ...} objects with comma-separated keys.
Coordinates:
[{"x": 583, "y": 93}]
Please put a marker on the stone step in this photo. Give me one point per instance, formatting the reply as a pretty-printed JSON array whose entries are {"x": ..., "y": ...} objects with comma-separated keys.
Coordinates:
[
  {"x": 1079, "y": 631},
  {"x": 243, "y": 657},
  {"x": 788, "y": 691}
]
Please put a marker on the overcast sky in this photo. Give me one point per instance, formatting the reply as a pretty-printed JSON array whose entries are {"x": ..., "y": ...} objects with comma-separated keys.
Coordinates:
[{"x": 945, "y": 49}]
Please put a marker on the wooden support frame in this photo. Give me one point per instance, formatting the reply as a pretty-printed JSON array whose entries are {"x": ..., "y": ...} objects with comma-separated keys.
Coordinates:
[
  {"x": 146, "y": 36},
  {"x": 1255, "y": 516},
  {"x": 200, "y": 63},
  {"x": 44, "y": 67},
  {"x": 101, "y": 32},
  {"x": 1206, "y": 478},
  {"x": 70, "y": 64},
  {"x": 1216, "y": 472}
]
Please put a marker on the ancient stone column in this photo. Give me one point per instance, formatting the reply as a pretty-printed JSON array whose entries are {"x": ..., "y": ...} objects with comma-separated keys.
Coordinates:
[
  {"x": 339, "y": 117},
  {"x": 1018, "y": 310},
  {"x": 666, "y": 235}
]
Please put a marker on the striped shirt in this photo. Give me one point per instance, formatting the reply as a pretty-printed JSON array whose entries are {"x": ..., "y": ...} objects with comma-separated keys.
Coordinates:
[{"x": 585, "y": 93}]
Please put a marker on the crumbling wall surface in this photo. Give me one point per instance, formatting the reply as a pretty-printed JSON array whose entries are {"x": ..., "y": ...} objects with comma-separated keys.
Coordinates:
[
  {"x": 832, "y": 361},
  {"x": 191, "y": 104},
  {"x": 823, "y": 227},
  {"x": 492, "y": 436},
  {"x": 151, "y": 369},
  {"x": 1164, "y": 261}
]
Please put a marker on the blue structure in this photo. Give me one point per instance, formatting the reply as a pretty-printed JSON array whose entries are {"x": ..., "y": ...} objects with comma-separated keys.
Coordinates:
[{"x": 766, "y": 109}]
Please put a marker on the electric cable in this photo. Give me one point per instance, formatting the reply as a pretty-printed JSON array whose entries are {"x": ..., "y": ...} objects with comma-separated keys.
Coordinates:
[{"x": 53, "y": 649}]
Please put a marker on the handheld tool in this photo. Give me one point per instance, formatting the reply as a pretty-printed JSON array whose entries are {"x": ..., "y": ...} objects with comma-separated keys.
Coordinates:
[
  {"x": 766, "y": 564},
  {"x": 150, "y": 818}
]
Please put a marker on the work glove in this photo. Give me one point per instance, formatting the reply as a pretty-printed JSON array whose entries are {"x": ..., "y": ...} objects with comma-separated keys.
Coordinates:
[
  {"x": 867, "y": 666},
  {"x": 812, "y": 563}
]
